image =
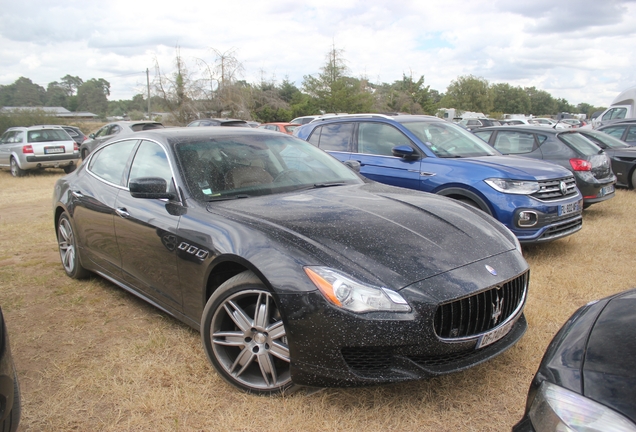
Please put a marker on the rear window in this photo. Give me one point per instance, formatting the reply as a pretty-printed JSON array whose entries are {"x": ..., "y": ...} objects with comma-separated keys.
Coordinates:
[
  {"x": 580, "y": 144},
  {"x": 47, "y": 135}
]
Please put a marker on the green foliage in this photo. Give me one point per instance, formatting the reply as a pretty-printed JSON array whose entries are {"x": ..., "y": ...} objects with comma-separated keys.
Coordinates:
[
  {"x": 469, "y": 93},
  {"x": 92, "y": 96},
  {"x": 509, "y": 99},
  {"x": 541, "y": 102},
  {"x": 26, "y": 118}
]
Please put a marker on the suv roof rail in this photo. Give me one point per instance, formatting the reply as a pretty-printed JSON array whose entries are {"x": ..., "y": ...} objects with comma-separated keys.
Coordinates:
[{"x": 368, "y": 115}]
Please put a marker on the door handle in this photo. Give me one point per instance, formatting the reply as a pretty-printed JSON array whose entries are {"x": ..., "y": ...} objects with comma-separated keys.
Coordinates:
[
  {"x": 77, "y": 194},
  {"x": 122, "y": 212},
  {"x": 427, "y": 174}
]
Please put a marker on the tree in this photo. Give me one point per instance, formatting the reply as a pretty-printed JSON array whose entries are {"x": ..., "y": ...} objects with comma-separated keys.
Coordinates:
[
  {"x": 71, "y": 84},
  {"x": 23, "y": 92},
  {"x": 92, "y": 96},
  {"x": 178, "y": 91},
  {"x": 509, "y": 99},
  {"x": 541, "y": 102},
  {"x": 333, "y": 91},
  {"x": 56, "y": 95},
  {"x": 468, "y": 93}
]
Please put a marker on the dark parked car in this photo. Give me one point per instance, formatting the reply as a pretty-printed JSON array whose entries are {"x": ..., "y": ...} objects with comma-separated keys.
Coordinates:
[
  {"x": 110, "y": 130},
  {"x": 75, "y": 133},
  {"x": 624, "y": 131},
  {"x": 623, "y": 156},
  {"x": 589, "y": 164},
  {"x": 587, "y": 378},
  {"x": 538, "y": 201},
  {"x": 295, "y": 270},
  {"x": 219, "y": 122},
  {"x": 10, "y": 407}
]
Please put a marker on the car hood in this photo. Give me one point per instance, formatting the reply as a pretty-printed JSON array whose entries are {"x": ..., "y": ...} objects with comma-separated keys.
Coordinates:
[
  {"x": 380, "y": 233},
  {"x": 609, "y": 369},
  {"x": 520, "y": 168}
]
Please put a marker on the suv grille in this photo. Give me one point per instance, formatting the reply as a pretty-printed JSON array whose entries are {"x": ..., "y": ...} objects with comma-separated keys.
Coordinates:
[
  {"x": 480, "y": 312},
  {"x": 550, "y": 190}
]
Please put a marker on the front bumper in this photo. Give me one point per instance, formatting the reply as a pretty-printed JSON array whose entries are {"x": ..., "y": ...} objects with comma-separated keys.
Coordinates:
[{"x": 330, "y": 347}]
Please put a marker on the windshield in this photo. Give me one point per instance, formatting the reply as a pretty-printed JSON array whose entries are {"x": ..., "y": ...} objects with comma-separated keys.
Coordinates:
[
  {"x": 238, "y": 166},
  {"x": 447, "y": 140},
  {"x": 605, "y": 140}
]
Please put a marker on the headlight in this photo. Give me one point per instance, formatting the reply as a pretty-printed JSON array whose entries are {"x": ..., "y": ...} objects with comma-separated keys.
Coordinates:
[
  {"x": 518, "y": 187},
  {"x": 349, "y": 294},
  {"x": 556, "y": 409}
]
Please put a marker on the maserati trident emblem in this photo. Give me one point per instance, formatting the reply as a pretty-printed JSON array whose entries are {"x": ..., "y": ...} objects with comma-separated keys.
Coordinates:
[
  {"x": 564, "y": 188},
  {"x": 497, "y": 308},
  {"x": 491, "y": 270}
]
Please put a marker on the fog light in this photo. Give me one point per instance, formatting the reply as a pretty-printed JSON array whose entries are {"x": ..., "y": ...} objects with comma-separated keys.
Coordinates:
[{"x": 527, "y": 219}]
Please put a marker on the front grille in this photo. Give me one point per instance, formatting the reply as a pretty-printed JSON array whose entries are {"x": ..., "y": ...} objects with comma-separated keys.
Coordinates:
[
  {"x": 366, "y": 360},
  {"x": 561, "y": 230},
  {"x": 550, "y": 190},
  {"x": 480, "y": 312}
]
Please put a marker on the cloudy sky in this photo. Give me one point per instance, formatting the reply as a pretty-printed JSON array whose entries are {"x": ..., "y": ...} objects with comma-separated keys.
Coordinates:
[{"x": 580, "y": 50}]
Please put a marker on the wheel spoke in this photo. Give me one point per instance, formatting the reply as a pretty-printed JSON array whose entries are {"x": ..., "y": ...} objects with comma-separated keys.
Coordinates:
[
  {"x": 228, "y": 338},
  {"x": 244, "y": 359},
  {"x": 261, "y": 314},
  {"x": 268, "y": 370},
  {"x": 240, "y": 318},
  {"x": 276, "y": 330},
  {"x": 279, "y": 350}
]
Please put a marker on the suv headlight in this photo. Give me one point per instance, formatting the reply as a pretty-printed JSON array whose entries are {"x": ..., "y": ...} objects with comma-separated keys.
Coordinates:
[
  {"x": 344, "y": 292},
  {"x": 518, "y": 187},
  {"x": 557, "y": 409}
]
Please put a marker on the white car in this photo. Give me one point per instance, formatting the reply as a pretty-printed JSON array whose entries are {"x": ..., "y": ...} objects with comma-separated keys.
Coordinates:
[
  {"x": 549, "y": 123},
  {"x": 37, "y": 147}
]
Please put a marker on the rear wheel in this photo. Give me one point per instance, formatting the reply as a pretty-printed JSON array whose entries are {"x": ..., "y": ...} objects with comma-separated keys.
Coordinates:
[
  {"x": 69, "y": 169},
  {"x": 634, "y": 179},
  {"x": 10, "y": 423},
  {"x": 69, "y": 253},
  {"x": 16, "y": 171},
  {"x": 245, "y": 338}
]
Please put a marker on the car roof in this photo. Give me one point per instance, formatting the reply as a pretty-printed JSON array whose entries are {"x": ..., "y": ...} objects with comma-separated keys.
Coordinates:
[
  {"x": 400, "y": 118},
  {"x": 529, "y": 128},
  {"x": 619, "y": 122},
  {"x": 37, "y": 127}
]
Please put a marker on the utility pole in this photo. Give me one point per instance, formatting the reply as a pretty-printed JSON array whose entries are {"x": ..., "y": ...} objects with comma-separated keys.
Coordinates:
[{"x": 148, "y": 84}]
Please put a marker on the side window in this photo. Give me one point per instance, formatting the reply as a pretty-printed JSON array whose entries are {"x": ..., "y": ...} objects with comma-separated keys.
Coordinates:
[
  {"x": 615, "y": 113},
  {"x": 7, "y": 138},
  {"x": 109, "y": 162},
  {"x": 509, "y": 142},
  {"x": 615, "y": 131},
  {"x": 115, "y": 129},
  {"x": 484, "y": 135},
  {"x": 379, "y": 139},
  {"x": 151, "y": 161},
  {"x": 102, "y": 132},
  {"x": 335, "y": 137},
  {"x": 631, "y": 134}
]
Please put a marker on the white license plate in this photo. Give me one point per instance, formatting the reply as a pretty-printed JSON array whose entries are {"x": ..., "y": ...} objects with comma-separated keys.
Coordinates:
[
  {"x": 606, "y": 190},
  {"x": 50, "y": 150},
  {"x": 495, "y": 335},
  {"x": 567, "y": 209}
]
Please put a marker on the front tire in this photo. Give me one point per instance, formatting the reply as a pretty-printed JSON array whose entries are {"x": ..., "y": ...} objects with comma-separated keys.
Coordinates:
[
  {"x": 67, "y": 244},
  {"x": 244, "y": 336},
  {"x": 634, "y": 179},
  {"x": 12, "y": 420},
  {"x": 16, "y": 171}
]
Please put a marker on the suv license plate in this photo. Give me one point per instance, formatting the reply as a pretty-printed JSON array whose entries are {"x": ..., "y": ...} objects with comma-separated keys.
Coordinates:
[
  {"x": 567, "y": 209},
  {"x": 495, "y": 335},
  {"x": 50, "y": 150}
]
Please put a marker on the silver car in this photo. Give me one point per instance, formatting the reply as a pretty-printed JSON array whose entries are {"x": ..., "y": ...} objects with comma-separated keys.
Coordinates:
[
  {"x": 111, "y": 130},
  {"x": 37, "y": 147}
]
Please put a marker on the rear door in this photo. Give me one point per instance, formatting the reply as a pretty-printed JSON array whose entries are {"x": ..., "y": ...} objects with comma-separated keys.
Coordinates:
[{"x": 335, "y": 138}]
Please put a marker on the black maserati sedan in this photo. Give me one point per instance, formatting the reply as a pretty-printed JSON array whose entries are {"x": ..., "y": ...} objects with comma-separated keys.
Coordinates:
[
  {"x": 622, "y": 155},
  {"x": 587, "y": 378},
  {"x": 10, "y": 403},
  {"x": 295, "y": 270}
]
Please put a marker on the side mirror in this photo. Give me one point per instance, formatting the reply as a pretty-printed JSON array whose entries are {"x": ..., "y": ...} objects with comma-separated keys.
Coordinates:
[
  {"x": 91, "y": 136},
  {"x": 404, "y": 152},
  {"x": 353, "y": 164},
  {"x": 149, "y": 188}
]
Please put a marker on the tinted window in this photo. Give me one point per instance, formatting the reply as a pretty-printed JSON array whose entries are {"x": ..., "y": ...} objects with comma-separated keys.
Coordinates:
[
  {"x": 335, "y": 137},
  {"x": 109, "y": 162},
  {"x": 615, "y": 131},
  {"x": 580, "y": 144},
  {"x": 514, "y": 142},
  {"x": 631, "y": 134},
  {"x": 604, "y": 140},
  {"x": 102, "y": 132},
  {"x": 115, "y": 129},
  {"x": 7, "y": 137},
  {"x": 151, "y": 161},
  {"x": 379, "y": 139}
]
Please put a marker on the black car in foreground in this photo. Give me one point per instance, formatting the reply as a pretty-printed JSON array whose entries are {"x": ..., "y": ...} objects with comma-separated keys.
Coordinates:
[
  {"x": 588, "y": 162},
  {"x": 587, "y": 378},
  {"x": 295, "y": 270},
  {"x": 623, "y": 156},
  {"x": 624, "y": 130},
  {"x": 10, "y": 407}
]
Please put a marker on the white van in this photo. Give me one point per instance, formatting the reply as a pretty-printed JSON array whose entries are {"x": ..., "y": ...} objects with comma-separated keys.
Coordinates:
[{"x": 623, "y": 107}]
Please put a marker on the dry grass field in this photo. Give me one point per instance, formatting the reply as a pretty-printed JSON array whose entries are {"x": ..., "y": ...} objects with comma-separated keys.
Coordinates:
[{"x": 91, "y": 357}]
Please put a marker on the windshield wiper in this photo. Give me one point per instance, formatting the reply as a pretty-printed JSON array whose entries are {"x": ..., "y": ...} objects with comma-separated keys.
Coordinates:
[
  {"x": 227, "y": 197},
  {"x": 324, "y": 185}
]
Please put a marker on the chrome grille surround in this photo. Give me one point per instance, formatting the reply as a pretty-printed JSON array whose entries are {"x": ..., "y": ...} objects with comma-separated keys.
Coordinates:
[{"x": 470, "y": 317}]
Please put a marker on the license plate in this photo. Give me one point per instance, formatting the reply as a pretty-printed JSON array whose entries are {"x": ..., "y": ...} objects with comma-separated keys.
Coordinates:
[
  {"x": 495, "y": 335},
  {"x": 606, "y": 190},
  {"x": 567, "y": 209},
  {"x": 50, "y": 150}
]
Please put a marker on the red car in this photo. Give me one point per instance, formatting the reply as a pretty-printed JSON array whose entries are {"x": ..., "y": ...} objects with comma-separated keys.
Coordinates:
[{"x": 287, "y": 128}]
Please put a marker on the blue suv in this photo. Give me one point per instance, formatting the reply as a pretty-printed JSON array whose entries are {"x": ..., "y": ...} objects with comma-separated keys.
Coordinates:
[{"x": 538, "y": 201}]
